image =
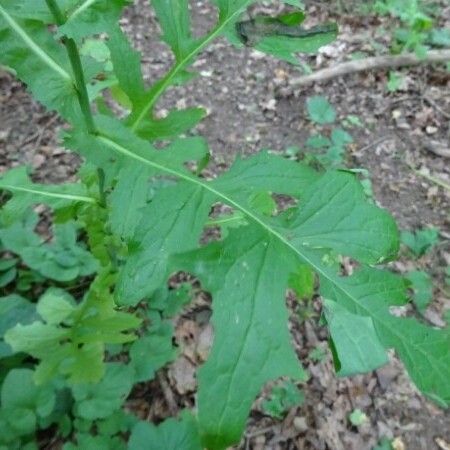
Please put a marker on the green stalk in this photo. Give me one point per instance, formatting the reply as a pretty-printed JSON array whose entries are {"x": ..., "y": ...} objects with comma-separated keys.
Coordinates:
[
  {"x": 77, "y": 68},
  {"x": 80, "y": 86}
]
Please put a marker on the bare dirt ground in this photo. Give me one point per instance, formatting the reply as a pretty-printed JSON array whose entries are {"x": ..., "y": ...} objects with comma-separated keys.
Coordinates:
[{"x": 252, "y": 105}]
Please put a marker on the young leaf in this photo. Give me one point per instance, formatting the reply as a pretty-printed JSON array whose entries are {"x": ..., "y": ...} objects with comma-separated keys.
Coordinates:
[
  {"x": 151, "y": 352},
  {"x": 170, "y": 435},
  {"x": 62, "y": 259},
  {"x": 72, "y": 341},
  {"x": 357, "y": 346},
  {"x": 421, "y": 241},
  {"x": 97, "y": 401},
  {"x": 320, "y": 110},
  {"x": 13, "y": 310}
]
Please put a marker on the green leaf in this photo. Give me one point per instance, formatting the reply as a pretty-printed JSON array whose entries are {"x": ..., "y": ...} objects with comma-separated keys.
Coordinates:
[
  {"x": 320, "y": 110},
  {"x": 88, "y": 442},
  {"x": 251, "y": 338},
  {"x": 127, "y": 201},
  {"x": 55, "y": 306},
  {"x": 356, "y": 228},
  {"x": 97, "y": 401},
  {"x": 384, "y": 444},
  {"x": 318, "y": 141},
  {"x": 423, "y": 288},
  {"x": 340, "y": 137},
  {"x": 231, "y": 9},
  {"x": 175, "y": 123},
  {"x": 41, "y": 62},
  {"x": 92, "y": 17},
  {"x": 421, "y": 241},
  {"x": 357, "y": 418},
  {"x": 423, "y": 350},
  {"x": 173, "y": 16},
  {"x": 20, "y": 391},
  {"x": 172, "y": 434},
  {"x": 127, "y": 66},
  {"x": 149, "y": 353},
  {"x": 15, "y": 309},
  {"x": 356, "y": 344},
  {"x": 143, "y": 273},
  {"x": 61, "y": 260},
  {"x": 285, "y": 47},
  {"x": 7, "y": 276},
  {"x": 282, "y": 399},
  {"x": 73, "y": 347},
  {"x": 292, "y": 238},
  {"x": 302, "y": 281},
  {"x": 26, "y": 194}
]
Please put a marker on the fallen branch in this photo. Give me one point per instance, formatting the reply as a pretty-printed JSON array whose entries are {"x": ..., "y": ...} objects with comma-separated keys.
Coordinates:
[{"x": 374, "y": 63}]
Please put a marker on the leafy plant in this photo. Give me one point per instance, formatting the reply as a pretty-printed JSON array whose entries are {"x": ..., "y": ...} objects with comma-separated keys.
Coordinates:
[
  {"x": 136, "y": 216},
  {"x": 420, "y": 241},
  {"x": 320, "y": 110},
  {"x": 328, "y": 147},
  {"x": 417, "y": 31},
  {"x": 282, "y": 399}
]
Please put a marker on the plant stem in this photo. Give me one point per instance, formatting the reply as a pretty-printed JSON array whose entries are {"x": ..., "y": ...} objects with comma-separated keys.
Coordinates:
[
  {"x": 80, "y": 86},
  {"x": 77, "y": 68}
]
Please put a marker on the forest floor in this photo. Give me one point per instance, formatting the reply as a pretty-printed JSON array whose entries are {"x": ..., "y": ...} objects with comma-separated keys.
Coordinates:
[{"x": 252, "y": 104}]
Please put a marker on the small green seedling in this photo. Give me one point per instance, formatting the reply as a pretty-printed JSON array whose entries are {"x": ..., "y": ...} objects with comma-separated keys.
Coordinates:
[
  {"x": 282, "y": 399},
  {"x": 357, "y": 418},
  {"x": 420, "y": 241},
  {"x": 320, "y": 110}
]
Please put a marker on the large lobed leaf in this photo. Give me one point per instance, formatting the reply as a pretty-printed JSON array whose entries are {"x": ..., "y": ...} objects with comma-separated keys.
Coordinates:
[{"x": 328, "y": 220}]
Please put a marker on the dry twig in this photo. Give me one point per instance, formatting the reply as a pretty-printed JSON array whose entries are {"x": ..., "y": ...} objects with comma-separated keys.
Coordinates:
[{"x": 374, "y": 63}]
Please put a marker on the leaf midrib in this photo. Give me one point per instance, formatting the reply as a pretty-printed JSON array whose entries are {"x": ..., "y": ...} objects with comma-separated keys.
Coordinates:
[
  {"x": 124, "y": 151},
  {"x": 254, "y": 218},
  {"x": 35, "y": 48},
  {"x": 80, "y": 198}
]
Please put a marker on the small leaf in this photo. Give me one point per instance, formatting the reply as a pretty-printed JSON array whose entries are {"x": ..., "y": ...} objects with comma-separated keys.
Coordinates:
[
  {"x": 320, "y": 110},
  {"x": 172, "y": 434},
  {"x": 55, "y": 306},
  {"x": 357, "y": 418},
  {"x": 421, "y": 241},
  {"x": 423, "y": 288},
  {"x": 97, "y": 401},
  {"x": 150, "y": 353}
]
